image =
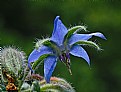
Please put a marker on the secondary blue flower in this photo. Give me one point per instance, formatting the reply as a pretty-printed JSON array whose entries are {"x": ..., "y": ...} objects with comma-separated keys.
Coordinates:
[{"x": 60, "y": 45}]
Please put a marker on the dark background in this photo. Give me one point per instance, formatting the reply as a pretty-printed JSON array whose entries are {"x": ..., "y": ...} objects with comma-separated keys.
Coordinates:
[{"x": 22, "y": 21}]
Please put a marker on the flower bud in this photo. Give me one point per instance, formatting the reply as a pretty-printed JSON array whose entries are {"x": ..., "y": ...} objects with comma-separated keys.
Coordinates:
[
  {"x": 56, "y": 85},
  {"x": 12, "y": 62}
]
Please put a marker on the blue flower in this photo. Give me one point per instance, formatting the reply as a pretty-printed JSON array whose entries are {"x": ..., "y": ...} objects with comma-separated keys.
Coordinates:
[{"x": 60, "y": 45}]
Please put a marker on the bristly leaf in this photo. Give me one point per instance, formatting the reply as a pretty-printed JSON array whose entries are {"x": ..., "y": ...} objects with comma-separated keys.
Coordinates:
[
  {"x": 89, "y": 43},
  {"x": 74, "y": 30}
]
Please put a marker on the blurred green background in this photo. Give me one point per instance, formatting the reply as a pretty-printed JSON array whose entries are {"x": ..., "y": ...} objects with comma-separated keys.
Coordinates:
[{"x": 22, "y": 21}]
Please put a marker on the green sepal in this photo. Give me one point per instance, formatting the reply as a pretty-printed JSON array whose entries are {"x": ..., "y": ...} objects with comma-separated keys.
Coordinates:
[
  {"x": 88, "y": 43},
  {"x": 74, "y": 29},
  {"x": 39, "y": 61},
  {"x": 47, "y": 42},
  {"x": 40, "y": 42}
]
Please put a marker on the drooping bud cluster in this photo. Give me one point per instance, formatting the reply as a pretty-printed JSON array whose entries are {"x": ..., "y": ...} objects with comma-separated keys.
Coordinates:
[
  {"x": 13, "y": 65},
  {"x": 13, "y": 60}
]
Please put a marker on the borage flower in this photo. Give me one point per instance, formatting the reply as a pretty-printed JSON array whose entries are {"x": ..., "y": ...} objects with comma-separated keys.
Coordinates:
[{"x": 59, "y": 46}]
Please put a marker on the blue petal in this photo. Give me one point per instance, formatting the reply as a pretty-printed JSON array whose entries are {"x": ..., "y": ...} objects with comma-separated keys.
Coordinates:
[
  {"x": 37, "y": 53},
  {"x": 49, "y": 66},
  {"x": 98, "y": 34},
  {"x": 77, "y": 37},
  {"x": 59, "y": 32},
  {"x": 78, "y": 51}
]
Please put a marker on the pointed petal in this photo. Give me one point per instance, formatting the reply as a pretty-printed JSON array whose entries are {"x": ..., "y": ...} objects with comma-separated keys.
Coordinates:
[
  {"x": 98, "y": 34},
  {"x": 59, "y": 31},
  {"x": 78, "y": 51},
  {"x": 77, "y": 37},
  {"x": 37, "y": 53},
  {"x": 49, "y": 66}
]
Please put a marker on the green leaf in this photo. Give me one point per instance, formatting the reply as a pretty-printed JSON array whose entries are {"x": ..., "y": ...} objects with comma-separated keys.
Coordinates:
[{"x": 89, "y": 43}]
